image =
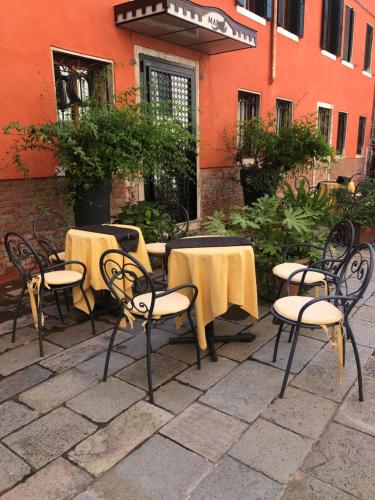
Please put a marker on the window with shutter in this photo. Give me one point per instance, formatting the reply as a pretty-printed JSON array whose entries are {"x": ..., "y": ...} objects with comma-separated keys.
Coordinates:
[
  {"x": 248, "y": 108},
  {"x": 283, "y": 113},
  {"x": 341, "y": 133},
  {"x": 368, "y": 48},
  {"x": 361, "y": 135},
  {"x": 348, "y": 34},
  {"x": 324, "y": 122},
  {"x": 262, "y": 8},
  {"x": 291, "y": 14},
  {"x": 332, "y": 26}
]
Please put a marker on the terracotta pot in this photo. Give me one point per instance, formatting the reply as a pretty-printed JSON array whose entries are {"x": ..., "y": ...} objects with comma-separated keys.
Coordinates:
[{"x": 363, "y": 234}]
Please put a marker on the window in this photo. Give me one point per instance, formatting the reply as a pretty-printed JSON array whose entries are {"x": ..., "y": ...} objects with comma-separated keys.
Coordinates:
[
  {"x": 332, "y": 26},
  {"x": 248, "y": 108},
  {"x": 361, "y": 135},
  {"x": 368, "y": 48},
  {"x": 291, "y": 15},
  {"x": 283, "y": 113},
  {"x": 341, "y": 133},
  {"x": 348, "y": 34},
  {"x": 262, "y": 8},
  {"x": 324, "y": 122},
  {"x": 77, "y": 80}
]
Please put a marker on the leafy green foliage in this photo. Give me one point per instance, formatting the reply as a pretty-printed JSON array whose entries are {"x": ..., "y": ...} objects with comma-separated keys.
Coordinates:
[{"x": 358, "y": 208}]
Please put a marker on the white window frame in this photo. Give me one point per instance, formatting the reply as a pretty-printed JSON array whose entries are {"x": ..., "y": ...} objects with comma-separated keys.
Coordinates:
[{"x": 251, "y": 15}]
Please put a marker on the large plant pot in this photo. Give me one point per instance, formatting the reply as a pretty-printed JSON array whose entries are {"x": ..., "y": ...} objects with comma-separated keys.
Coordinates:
[
  {"x": 93, "y": 206},
  {"x": 363, "y": 234},
  {"x": 250, "y": 194}
]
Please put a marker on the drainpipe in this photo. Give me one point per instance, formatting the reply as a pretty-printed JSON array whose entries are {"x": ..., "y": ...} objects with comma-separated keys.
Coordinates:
[{"x": 273, "y": 42}]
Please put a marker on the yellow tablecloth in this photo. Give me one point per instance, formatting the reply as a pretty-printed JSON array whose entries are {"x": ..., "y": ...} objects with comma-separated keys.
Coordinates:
[
  {"x": 87, "y": 247},
  {"x": 223, "y": 275},
  {"x": 328, "y": 187}
]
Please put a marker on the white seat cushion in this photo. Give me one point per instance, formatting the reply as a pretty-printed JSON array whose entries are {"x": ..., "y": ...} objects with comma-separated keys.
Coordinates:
[
  {"x": 156, "y": 248},
  {"x": 284, "y": 270},
  {"x": 63, "y": 277},
  {"x": 168, "y": 304},
  {"x": 60, "y": 255},
  {"x": 320, "y": 313}
]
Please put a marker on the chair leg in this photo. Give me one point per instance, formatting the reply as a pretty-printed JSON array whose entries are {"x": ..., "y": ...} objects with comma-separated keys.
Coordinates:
[
  {"x": 357, "y": 360},
  {"x": 279, "y": 331},
  {"x": 197, "y": 348},
  {"x": 19, "y": 303},
  {"x": 91, "y": 315},
  {"x": 149, "y": 373},
  {"x": 290, "y": 361},
  {"x": 57, "y": 300},
  {"x": 110, "y": 345},
  {"x": 40, "y": 326},
  {"x": 291, "y": 335},
  {"x": 66, "y": 297}
]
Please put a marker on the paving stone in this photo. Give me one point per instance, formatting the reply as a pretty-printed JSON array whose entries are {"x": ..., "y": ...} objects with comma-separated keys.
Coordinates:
[
  {"x": 77, "y": 333},
  {"x": 7, "y": 326},
  {"x": 95, "y": 365},
  {"x": 209, "y": 374},
  {"x": 106, "y": 400},
  {"x": 301, "y": 412},
  {"x": 109, "y": 445},
  {"x": 306, "y": 349},
  {"x": 246, "y": 391},
  {"x": 136, "y": 347},
  {"x": 13, "y": 416},
  {"x": 370, "y": 367},
  {"x": 175, "y": 397},
  {"x": 366, "y": 313},
  {"x": 159, "y": 469},
  {"x": 57, "y": 390},
  {"x": 184, "y": 352},
  {"x": 12, "y": 469},
  {"x": 47, "y": 438},
  {"x": 371, "y": 301},
  {"x": 23, "y": 335},
  {"x": 60, "y": 480},
  {"x": 321, "y": 375},
  {"x": 18, "y": 382},
  {"x": 25, "y": 355},
  {"x": 359, "y": 414},
  {"x": 163, "y": 369},
  {"x": 308, "y": 488},
  {"x": 270, "y": 449},
  {"x": 204, "y": 430},
  {"x": 169, "y": 325},
  {"x": 363, "y": 332},
  {"x": 233, "y": 480},
  {"x": 344, "y": 458},
  {"x": 224, "y": 327}
]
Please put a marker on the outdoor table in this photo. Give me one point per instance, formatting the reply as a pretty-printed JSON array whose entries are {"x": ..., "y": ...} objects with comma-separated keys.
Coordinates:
[
  {"x": 328, "y": 186},
  {"x": 224, "y": 276},
  {"x": 87, "y": 247}
]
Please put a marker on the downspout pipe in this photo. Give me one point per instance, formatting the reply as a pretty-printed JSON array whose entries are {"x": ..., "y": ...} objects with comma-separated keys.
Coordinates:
[{"x": 273, "y": 42}]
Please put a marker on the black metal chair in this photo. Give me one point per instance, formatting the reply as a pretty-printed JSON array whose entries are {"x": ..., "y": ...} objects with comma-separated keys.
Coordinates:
[
  {"x": 179, "y": 218},
  {"x": 329, "y": 311},
  {"x": 49, "y": 230},
  {"x": 302, "y": 180},
  {"x": 36, "y": 272},
  {"x": 142, "y": 300}
]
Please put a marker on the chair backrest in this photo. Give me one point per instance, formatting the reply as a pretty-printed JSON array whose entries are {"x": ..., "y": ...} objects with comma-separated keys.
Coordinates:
[
  {"x": 23, "y": 255},
  {"x": 356, "y": 274},
  {"x": 339, "y": 244},
  {"x": 179, "y": 217},
  {"x": 364, "y": 186},
  {"x": 50, "y": 229},
  {"x": 126, "y": 279},
  {"x": 356, "y": 178},
  {"x": 302, "y": 180}
]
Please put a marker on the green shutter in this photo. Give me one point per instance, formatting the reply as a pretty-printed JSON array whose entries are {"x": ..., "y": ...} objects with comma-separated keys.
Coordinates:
[
  {"x": 325, "y": 25},
  {"x": 301, "y": 19}
]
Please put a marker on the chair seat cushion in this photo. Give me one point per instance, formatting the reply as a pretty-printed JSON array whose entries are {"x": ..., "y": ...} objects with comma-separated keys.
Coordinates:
[
  {"x": 320, "y": 313},
  {"x": 168, "y": 304},
  {"x": 62, "y": 277},
  {"x": 60, "y": 255},
  {"x": 156, "y": 248},
  {"x": 284, "y": 270}
]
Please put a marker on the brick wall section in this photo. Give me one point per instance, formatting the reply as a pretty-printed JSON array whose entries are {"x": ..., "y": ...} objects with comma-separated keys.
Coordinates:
[
  {"x": 220, "y": 189},
  {"x": 123, "y": 192}
]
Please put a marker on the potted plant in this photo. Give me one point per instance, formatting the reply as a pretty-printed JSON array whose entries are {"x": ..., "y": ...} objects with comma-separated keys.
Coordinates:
[
  {"x": 126, "y": 138},
  {"x": 266, "y": 154}
]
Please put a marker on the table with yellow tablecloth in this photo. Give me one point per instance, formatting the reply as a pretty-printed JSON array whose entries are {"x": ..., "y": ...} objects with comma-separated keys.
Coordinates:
[
  {"x": 329, "y": 186},
  {"x": 223, "y": 275},
  {"x": 88, "y": 247}
]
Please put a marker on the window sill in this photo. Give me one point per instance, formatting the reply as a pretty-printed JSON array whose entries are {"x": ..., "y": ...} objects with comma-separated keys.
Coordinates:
[
  {"x": 328, "y": 54},
  {"x": 251, "y": 15},
  {"x": 366, "y": 73},
  {"x": 288, "y": 34},
  {"x": 347, "y": 64}
]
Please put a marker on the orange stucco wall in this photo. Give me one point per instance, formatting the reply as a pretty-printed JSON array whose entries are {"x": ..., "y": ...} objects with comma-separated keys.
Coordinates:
[{"x": 29, "y": 30}]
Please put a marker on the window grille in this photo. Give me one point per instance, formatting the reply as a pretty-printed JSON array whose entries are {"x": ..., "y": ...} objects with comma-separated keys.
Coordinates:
[
  {"x": 332, "y": 26},
  {"x": 368, "y": 48},
  {"x": 324, "y": 123},
  {"x": 341, "y": 133},
  {"x": 283, "y": 113},
  {"x": 291, "y": 15},
  {"x": 262, "y": 8},
  {"x": 361, "y": 135},
  {"x": 248, "y": 108}
]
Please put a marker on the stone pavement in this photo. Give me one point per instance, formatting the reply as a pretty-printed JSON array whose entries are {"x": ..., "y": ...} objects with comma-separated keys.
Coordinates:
[{"x": 218, "y": 433}]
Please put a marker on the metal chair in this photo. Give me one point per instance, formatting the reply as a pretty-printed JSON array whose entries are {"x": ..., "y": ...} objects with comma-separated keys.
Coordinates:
[
  {"x": 35, "y": 273},
  {"x": 49, "y": 230},
  {"x": 179, "y": 218},
  {"x": 302, "y": 180},
  {"x": 140, "y": 299},
  {"x": 329, "y": 311}
]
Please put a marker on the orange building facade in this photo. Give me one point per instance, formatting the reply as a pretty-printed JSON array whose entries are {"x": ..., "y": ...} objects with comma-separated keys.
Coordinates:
[{"x": 311, "y": 54}]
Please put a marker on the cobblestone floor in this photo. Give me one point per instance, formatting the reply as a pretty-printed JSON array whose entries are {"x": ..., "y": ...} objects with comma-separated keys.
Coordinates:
[{"x": 218, "y": 433}]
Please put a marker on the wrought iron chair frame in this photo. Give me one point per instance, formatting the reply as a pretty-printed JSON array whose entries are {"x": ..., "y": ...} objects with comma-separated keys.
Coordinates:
[
  {"x": 25, "y": 250},
  {"x": 303, "y": 178},
  {"x": 126, "y": 303},
  {"x": 46, "y": 244},
  {"x": 346, "y": 302}
]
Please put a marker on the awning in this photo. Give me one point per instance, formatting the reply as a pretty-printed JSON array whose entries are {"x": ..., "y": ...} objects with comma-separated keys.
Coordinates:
[{"x": 185, "y": 23}]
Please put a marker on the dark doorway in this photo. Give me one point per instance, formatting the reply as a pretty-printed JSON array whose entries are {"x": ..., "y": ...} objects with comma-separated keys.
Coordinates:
[{"x": 174, "y": 84}]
